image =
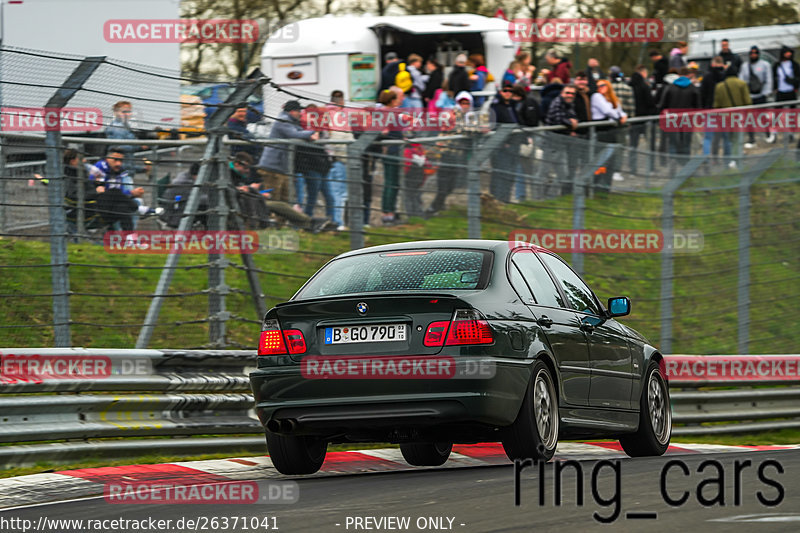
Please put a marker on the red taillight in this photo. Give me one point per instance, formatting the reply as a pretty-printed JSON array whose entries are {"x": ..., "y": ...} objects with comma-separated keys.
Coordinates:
[
  {"x": 467, "y": 327},
  {"x": 469, "y": 332},
  {"x": 435, "y": 334},
  {"x": 295, "y": 341},
  {"x": 271, "y": 343},
  {"x": 274, "y": 341}
]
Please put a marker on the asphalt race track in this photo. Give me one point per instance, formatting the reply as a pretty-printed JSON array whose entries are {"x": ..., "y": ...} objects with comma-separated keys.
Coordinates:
[{"x": 744, "y": 491}]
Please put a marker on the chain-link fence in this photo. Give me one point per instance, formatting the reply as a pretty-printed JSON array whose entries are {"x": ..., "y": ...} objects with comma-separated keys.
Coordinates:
[{"x": 723, "y": 279}]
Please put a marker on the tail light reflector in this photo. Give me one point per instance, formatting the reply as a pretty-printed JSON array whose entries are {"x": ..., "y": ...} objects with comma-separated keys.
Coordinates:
[
  {"x": 295, "y": 341},
  {"x": 436, "y": 333}
]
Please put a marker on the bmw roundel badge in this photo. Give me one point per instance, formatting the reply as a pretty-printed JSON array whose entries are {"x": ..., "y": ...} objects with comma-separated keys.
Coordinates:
[{"x": 362, "y": 308}]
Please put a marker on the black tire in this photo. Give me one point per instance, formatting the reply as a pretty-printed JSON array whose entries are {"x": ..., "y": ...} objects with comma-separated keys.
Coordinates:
[
  {"x": 296, "y": 455},
  {"x": 426, "y": 453},
  {"x": 534, "y": 434},
  {"x": 655, "y": 417}
]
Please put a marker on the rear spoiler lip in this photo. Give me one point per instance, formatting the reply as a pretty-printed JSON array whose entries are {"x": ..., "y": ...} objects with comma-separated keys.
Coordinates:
[{"x": 392, "y": 294}]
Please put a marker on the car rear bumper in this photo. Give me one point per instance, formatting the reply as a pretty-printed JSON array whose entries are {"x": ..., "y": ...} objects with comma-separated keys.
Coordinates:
[{"x": 287, "y": 402}]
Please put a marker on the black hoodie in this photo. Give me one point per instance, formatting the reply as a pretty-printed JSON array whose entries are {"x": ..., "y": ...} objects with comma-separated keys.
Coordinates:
[
  {"x": 642, "y": 96},
  {"x": 795, "y": 70},
  {"x": 709, "y": 83}
]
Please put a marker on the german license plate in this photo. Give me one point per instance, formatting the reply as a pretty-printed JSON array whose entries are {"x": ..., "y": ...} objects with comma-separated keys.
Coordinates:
[{"x": 367, "y": 333}]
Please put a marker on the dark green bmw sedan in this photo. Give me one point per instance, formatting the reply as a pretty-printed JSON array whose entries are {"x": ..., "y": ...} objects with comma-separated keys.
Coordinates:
[{"x": 432, "y": 343}]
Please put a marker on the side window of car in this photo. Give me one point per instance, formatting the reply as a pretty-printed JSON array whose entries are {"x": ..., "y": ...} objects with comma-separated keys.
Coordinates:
[
  {"x": 579, "y": 295},
  {"x": 519, "y": 284},
  {"x": 544, "y": 290}
]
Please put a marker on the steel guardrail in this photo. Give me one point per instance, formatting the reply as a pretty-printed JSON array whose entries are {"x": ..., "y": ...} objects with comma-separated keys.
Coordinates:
[{"x": 171, "y": 401}]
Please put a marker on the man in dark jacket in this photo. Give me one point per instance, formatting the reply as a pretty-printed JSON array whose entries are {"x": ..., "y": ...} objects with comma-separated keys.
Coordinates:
[
  {"x": 389, "y": 71},
  {"x": 681, "y": 94},
  {"x": 505, "y": 159},
  {"x": 582, "y": 103},
  {"x": 660, "y": 67},
  {"x": 644, "y": 105},
  {"x": 731, "y": 60},
  {"x": 459, "y": 79},
  {"x": 715, "y": 74}
]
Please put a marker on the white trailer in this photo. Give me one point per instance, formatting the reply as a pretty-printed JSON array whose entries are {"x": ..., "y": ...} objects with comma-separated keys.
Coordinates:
[
  {"x": 316, "y": 56},
  {"x": 703, "y": 45},
  {"x": 76, "y": 28}
]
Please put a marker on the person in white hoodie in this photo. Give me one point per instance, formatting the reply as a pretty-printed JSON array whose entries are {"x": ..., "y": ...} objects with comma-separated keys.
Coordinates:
[{"x": 606, "y": 106}]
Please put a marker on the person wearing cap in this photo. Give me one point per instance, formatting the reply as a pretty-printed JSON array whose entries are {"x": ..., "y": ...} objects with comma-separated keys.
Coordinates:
[
  {"x": 389, "y": 72},
  {"x": 274, "y": 162},
  {"x": 505, "y": 159},
  {"x": 622, "y": 90},
  {"x": 759, "y": 71}
]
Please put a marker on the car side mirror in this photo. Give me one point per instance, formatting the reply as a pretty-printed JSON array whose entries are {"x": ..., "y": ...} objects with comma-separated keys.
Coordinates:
[{"x": 619, "y": 306}]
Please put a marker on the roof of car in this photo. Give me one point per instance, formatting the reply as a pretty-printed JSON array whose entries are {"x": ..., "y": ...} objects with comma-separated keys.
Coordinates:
[{"x": 475, "y": 244}]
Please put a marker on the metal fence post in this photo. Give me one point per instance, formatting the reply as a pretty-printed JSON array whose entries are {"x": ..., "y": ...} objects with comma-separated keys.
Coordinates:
[
  {"x": 743, "y": 278},
  {"x": 216, "y": 131},
  {"x": 580, "y": 184},
  {"x": 651, "y": 161},
  {"x": 217, "y": 221},
  {"x": 667, "y": 262},
  {"x": 482, "y": 153},
  {"x": 55, "y": 199},
  {"x": 356, "y": 204},
  {"x": 81, "y": 190}
]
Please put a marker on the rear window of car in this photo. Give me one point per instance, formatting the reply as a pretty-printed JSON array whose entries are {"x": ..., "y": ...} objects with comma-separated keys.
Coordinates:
[{"x": 410, "y": 270}]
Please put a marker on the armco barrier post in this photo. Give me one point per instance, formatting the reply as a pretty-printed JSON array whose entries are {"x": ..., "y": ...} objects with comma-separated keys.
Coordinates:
[{"x": 55, "y": 199}]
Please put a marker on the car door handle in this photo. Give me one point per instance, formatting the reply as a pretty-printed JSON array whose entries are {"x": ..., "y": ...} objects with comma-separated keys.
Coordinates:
[
  {"x": 588, "y": 328},
  {"x": 544, "y": 321}
]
